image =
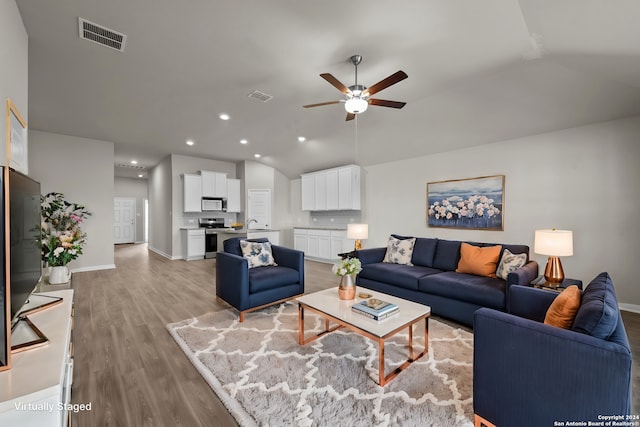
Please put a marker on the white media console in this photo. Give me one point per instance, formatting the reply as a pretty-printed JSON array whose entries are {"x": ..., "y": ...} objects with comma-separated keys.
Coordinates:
[{"x": 36, "y": 391}]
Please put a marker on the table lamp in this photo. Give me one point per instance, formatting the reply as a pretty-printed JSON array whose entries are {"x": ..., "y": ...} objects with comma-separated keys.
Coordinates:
[
  {"x": 554, "y": 243},
  {"x": 357, "y": 232}
]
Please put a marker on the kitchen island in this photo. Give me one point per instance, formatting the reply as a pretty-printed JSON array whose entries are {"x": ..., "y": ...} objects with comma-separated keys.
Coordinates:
[{"x": 272, "y": 235}]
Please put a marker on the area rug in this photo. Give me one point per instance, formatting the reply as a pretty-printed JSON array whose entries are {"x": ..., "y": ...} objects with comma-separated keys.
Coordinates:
[{"x": 264, "y": 377}]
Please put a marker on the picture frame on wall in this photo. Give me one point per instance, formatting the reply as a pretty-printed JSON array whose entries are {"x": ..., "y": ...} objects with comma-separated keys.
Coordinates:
[
  {"x": 470, "y": 203},
  {"x": 17, "y": 144}
]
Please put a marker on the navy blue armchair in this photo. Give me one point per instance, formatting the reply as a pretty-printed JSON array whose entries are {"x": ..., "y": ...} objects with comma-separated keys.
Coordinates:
[
  {"x": 248, "y": 289},
  {"x": 527, "y": 373}
]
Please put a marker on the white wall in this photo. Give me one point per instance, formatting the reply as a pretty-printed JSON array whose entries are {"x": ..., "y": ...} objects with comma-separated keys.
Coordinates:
[
  {"x": 584, "y": 179},
  {"x": 14, "y": 44},
  {"x": 136, "y": 188},
  {"x": 81, "y": 169}
]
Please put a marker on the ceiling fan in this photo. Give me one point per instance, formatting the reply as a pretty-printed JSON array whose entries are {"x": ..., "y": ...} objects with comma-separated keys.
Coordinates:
[{"x": 358, "y": 96}]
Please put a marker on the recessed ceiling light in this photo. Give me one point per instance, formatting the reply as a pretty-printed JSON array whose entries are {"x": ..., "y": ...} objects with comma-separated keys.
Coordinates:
[
  {"x": 257, "y": 156},
  {"x": 244, "y": 141},
  {"x": 301, "y": 139},
  {"x": 224, "y": 116},
  {"x": 134, "y": 162},
  {"x": 190, "y": 142},
  {"x": 140, "y": 175}
]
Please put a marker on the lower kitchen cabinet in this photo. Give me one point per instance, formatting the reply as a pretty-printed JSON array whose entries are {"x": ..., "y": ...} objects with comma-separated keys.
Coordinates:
[
  {"x": 193, "y": 243},
  {"x": 321, "y": 244}
]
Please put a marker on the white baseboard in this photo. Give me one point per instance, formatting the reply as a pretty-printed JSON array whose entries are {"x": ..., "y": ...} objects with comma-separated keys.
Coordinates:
[
  {"x": 94, "y": 268},
  {"x": 634, "y": 308},
  {"x": 163, "y": 254}
]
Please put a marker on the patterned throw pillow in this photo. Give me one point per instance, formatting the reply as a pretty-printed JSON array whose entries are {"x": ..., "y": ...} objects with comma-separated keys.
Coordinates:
[
  {"x": 399, "y": 251},
  {"x": 258, "y": 254},
  {"x": 510, "y": 262}
]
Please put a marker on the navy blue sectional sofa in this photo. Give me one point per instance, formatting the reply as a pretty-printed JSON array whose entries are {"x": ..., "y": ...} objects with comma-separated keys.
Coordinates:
[{"x": 433, "y": 281}]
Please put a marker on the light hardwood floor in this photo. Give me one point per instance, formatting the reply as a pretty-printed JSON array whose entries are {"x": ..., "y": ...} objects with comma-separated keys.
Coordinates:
[{"x": 126, "y": 363}]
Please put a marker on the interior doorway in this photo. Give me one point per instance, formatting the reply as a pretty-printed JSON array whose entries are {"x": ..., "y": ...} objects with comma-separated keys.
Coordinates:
[{"x": 124, "y": 220}]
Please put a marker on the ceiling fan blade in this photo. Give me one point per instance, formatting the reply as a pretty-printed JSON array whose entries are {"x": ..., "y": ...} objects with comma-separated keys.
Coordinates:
[
  {"x": 383, "y": 84},
  {"x": 335, "y": 82},
  {"x": 350, "y": 116},
  {"x": 385, "y": 103},
  {"x": 321, "y": 104}
]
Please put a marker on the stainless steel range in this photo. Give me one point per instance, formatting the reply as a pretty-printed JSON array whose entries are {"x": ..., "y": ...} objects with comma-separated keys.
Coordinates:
[{"x": 211, "y": 226}]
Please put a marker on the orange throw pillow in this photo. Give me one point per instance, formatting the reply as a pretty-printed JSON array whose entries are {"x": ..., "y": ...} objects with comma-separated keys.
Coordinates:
[
  {"x": 564, "y": 308},
  {"x": 479, "y": 261}
]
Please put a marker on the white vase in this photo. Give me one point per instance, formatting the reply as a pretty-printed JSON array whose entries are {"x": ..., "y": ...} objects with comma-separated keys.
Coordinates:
[{"x": 59, "y": 275}]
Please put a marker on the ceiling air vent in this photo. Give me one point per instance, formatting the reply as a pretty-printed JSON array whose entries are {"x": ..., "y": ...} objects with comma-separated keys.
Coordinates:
[
  {"x": 101, "y": 35},
  {"x": 260, "y": 96},
  {"x": 130, "y": 166}
]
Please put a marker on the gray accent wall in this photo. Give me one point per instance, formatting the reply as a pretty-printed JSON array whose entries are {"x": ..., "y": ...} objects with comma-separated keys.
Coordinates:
[
  {"x": 81, "y": 169},
  {"x": 583, "y": 179},
  {"x": 160, "y": 206}
]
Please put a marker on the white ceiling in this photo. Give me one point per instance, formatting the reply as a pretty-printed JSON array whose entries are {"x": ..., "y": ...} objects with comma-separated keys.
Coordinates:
[{"x": 479, "y": 72}]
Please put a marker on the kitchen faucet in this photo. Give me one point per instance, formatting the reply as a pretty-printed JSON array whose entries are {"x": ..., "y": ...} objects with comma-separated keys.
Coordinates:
[{"x": 250, "y": 220}]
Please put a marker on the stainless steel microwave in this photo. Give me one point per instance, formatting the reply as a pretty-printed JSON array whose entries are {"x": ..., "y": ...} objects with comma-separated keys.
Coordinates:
[{"x": 216, "y": 204}]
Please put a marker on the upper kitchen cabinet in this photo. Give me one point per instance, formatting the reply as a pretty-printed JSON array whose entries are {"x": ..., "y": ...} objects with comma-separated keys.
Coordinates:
[
  {"x": 332, "y": 189},
  {"x": 214, "y": 184},
  {"x": 192, "y": 192},
  {"x": 233, "y": 195}
]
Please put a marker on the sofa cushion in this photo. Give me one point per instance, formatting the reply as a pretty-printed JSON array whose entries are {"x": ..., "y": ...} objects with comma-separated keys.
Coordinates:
[
  {"x": 265, "y": 278},
  {"x": 516, "y": 249},
  {"x": 447, "y": 255},
  {"x": 424, "y": 251},
  {"x": 509, "y": 262},
  {"x": 479, "y": 261},
  {"x": 399, "y": 251},
  {"x": 562, "y": 311},
  {"x": 257, "y": 253},
  {"x": 403, "y": 276},
  {"x": 598, "y": 314},
  {"x": 484, "y": 291}
]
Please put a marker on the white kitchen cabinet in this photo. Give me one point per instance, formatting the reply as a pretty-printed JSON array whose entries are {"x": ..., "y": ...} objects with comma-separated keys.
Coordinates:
[
  {"x": 320, "y": 179},
  {"x": 321, "y": 244},
  {"x": 214, "y": 184},
  {"x": 192, "y": 192},
  {"x": 332, "y": 189},
  {"x": 272, "y": 235},
  {"x": 349, "y": 188},
  {"x": 300, "y": 239},
  {"x": 193, "y": 243},
  {"x": 308, "y": 192},
  {"x": 233, "y": 195}
]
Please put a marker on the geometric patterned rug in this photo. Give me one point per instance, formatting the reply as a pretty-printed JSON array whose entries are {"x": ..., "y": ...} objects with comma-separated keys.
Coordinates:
[{"x": 264, "y": 377}]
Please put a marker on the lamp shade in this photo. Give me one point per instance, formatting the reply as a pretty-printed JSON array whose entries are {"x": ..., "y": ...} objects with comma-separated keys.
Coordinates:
[
  {"x": 358, "y": 231},
  {"x": 356, "y": 105},
  {"x": 554, "y": 242}
]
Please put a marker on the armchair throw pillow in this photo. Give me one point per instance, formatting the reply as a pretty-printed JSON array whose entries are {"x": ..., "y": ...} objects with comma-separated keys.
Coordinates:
[
  {"x": 478, "y": 261},
  {"x": 258, "y": 254},
  {"x": 562, "y": 311},
  {"x": 399, "y": 251},
  {"x": 510, "y": 262}
]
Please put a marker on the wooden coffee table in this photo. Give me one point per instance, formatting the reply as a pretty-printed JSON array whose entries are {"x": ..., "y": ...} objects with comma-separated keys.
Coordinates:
[{"x": 327, "y": 305}]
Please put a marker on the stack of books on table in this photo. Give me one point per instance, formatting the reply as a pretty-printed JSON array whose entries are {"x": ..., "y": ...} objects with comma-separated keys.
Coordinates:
[{"x": 375, "y": 309}]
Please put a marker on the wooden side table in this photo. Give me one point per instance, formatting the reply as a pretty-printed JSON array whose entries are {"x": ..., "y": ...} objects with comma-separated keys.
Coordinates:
[{"x": 540, "y": 283}]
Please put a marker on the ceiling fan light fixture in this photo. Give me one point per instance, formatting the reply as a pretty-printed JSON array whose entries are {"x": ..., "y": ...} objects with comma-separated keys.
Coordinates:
[{"x": 356, "y": 105}]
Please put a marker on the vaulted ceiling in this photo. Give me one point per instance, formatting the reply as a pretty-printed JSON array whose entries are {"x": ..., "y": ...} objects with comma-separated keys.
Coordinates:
[{"x": 479, "y": 72}]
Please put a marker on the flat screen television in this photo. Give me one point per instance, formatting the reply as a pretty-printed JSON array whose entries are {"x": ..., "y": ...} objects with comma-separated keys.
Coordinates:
[{"x": 24, "y": 221}]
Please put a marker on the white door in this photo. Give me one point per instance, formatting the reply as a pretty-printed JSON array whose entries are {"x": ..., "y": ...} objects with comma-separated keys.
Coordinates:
[
  {"x": 124, "y": 220},
  {"x": 259, "y": 208}
]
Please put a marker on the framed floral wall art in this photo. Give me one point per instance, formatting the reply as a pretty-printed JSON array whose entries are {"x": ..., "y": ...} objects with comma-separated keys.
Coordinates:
[
  {"x": 472, "y": 203},
  {"x": 17, "y": 154}
]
